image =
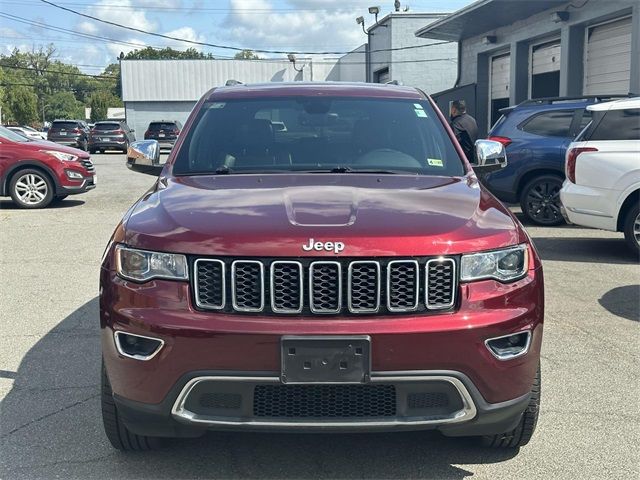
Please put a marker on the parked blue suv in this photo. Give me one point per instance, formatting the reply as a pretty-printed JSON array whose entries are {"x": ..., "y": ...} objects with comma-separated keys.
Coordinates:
[{"x": 536, "y": 134}]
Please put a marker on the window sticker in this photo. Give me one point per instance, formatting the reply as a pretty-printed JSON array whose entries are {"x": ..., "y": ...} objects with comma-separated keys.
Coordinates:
[
  {"x": 218, "y": 105},
  {"x": 435, "y": 162},
  {"x": 420, "y": 113},
  {"x": 418, "y": 106}
]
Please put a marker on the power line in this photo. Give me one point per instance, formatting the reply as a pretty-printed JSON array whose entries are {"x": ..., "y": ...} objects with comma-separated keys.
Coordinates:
[
  {"x": 226, "y": 47},
  {"x": 74, "y": 74}
]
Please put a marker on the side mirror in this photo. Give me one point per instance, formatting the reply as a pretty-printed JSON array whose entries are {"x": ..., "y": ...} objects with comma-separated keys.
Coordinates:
[
  {"x": 490, "y": 156},
  {"x": 144, "y": 157}
]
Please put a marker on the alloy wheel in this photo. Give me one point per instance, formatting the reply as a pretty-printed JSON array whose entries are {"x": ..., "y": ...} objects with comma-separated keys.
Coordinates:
[
  {"x": 31, "y": 189},
  {"x": 543, "y": 202},
  {"x": 636, "y": 229}
]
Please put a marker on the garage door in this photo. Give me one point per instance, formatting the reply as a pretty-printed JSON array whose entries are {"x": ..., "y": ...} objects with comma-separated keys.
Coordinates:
[
  {"x": 545, "y": 70},
  {"x": 500, "y": 75},
  {"x": 608, "y": 58}
]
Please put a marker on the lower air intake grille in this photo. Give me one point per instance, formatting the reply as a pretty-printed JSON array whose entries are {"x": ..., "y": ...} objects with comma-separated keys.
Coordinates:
[{"x": 324, "y": 401}]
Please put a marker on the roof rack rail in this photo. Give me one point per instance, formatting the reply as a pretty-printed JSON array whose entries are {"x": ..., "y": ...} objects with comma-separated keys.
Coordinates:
[
  {"x": 393, "y": 82},
  {"x": 549, "y": 100},
  {"x": 231, "y": 82}
]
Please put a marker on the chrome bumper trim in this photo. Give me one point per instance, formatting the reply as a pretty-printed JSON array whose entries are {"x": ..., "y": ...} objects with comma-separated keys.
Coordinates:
[{"x": 466, "y": 413}]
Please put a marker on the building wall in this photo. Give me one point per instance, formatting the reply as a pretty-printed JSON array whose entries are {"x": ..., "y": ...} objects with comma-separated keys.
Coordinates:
[
  {"x": 431, "y": 69},
  {"x": 517, "y": 37},
  {"x": 352, "y": 66}
]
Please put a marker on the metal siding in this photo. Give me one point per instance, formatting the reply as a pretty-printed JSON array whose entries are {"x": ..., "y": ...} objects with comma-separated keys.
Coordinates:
[
  {"x": 188, "y": 80},
  {"x": 546, "y": 58},
  {"x": 500, "y": 75},
  {"x": 608, "y": 58}
]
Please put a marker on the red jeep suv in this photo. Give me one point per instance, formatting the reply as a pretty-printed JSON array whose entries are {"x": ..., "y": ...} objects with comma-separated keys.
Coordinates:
[
  {"x": 344, "y": 273},
  {"x": 35, "y": 173}
]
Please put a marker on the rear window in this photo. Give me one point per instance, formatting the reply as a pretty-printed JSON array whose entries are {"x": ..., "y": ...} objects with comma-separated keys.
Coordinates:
[
  {"x": 107, "y": 126},
  {"x": 617, "y": 125},
  {"x": 162, "y": 126},
  {"x": 65, "y": 125},
  {"x": 289, "y": 134},
  {"x": 550, "y": 124}
]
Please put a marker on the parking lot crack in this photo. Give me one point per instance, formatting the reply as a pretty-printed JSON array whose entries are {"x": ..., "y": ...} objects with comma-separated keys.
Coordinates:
[{"x": 44, "y": 417}]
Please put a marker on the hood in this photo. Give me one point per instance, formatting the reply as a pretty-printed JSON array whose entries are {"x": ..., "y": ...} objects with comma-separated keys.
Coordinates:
[
  {"x": 275, "y": 215},
  {"x": 47, "y": 145}
]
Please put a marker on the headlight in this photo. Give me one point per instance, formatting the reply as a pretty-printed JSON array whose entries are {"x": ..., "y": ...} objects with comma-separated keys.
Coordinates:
[
  {"x": 504, "y": 265},
  {"x": 143, "y": 265},
  {"x": 63, "y": 157}
]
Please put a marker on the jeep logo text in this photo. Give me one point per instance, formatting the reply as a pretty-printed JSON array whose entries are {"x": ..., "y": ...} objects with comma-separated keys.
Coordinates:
[{"x": 335, "y": 247}]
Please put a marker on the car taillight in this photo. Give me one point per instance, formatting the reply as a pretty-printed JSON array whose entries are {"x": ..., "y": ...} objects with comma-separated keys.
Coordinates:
[
  {"x": 76, "y": 130},
  {"x": 506, "y": 141},
  {"x": 572, "y": 157},
  {"x": 120, "y": 132},
  {"x": 176, "y": 131}
]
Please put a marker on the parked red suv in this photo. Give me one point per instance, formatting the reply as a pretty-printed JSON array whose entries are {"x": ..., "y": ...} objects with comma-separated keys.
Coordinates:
[
  {"x": 36, "y": 172},
  {"x": 344, "y": 273}
]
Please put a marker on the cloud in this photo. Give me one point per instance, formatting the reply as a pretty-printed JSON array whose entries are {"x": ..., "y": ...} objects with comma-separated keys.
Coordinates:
[
  {"x": 187, "y": 33},
  {"x": 319, "y": 27},
  {"x": 122, "y": 12}
]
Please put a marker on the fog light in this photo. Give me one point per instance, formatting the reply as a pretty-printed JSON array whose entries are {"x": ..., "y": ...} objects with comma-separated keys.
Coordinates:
[
  {"x": 137, "y": 347},
  {"x": 509, "y": 346},
  {"x": 71, "y": 175}
]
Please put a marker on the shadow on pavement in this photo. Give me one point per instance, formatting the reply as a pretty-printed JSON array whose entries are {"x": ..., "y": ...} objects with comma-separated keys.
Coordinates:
[
  {"x": 591, "y": 250},
  {"x": 50, "y": 426},
  {"x": 66, "y": 203},
  {"x": 623, "y": 302}
]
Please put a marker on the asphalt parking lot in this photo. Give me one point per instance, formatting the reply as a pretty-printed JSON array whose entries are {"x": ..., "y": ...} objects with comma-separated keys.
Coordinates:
[{"x": 50, "y": 362}]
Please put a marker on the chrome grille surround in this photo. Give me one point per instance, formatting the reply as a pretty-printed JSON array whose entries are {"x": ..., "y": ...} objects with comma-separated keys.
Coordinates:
[
  {"x": 197, "y": 280},
  {"x": 322, "y": 287},
  {"x": 353, "y": 290},
  {"x": 239, "y": 296},
  {"x": 395, "y": 269},
  {"x": 276, "y": 282},
  {"x": 309, "y": 286},
  {"x": 436, "y": 272}
]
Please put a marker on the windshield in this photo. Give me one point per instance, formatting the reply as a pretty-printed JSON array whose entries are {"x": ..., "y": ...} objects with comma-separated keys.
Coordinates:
[
  {"x": 7, "y": 134},
  {"x": 277, "y": 135}
]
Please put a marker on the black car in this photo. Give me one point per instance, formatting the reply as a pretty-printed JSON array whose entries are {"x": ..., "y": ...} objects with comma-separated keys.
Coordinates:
[
  {"x": 73, "y": 133},
  {"x": 164, "y": 131},
  {"x": 110, "y": 135}
]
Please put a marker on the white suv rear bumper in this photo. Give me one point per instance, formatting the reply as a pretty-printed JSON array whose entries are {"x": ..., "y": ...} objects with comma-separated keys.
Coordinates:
[{"x": 587, "y": 206}]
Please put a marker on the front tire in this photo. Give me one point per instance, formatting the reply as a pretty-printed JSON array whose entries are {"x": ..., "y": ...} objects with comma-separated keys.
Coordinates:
[
  {"x": 540, "y": 201},
  {"x": 117, "y": 433},
  {"x": 31, "y": 188},
  {"x": 632, "y": 229},
  {"x": 521, "y": 435}
]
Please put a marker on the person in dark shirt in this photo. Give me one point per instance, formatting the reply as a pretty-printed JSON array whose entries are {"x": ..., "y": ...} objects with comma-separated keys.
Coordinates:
[{"x": 465, "y": 128}]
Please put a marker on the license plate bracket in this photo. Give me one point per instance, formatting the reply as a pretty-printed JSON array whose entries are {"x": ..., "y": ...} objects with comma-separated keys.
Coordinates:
[{"x": 325, "y": 359}]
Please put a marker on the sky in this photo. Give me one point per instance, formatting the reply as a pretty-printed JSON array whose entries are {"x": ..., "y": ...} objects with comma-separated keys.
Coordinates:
[{"x": 290, "y": 25}]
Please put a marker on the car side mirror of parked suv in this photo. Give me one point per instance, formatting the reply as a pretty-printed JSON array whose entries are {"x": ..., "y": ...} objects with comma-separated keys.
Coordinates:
[
  {"x": 490, "y": 156},
  {"x": 144, "y": 157}
]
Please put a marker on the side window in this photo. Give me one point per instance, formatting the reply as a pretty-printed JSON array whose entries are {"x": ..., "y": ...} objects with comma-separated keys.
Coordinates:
[
  {"x": 618, "y": 125},
  {"x": 584, "y": 121},
  {"x": 550, "y": 124}
]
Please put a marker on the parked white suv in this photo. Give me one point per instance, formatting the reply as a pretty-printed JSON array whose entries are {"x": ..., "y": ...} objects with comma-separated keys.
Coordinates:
[{"x": 602, "y": 165}]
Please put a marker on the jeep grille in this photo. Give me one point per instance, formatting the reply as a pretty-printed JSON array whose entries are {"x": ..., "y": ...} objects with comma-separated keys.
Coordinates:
[{"x": 325, "y": 287}]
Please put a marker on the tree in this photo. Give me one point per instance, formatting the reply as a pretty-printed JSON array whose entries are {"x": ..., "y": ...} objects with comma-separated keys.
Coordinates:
[
  {"x": 20, "y": 105},
  {"x": 100, "y": 102},
  {"x": 246, "y": 55},
  {"x": 167, "y": 53},
  {"x": 64, "y": 105}
]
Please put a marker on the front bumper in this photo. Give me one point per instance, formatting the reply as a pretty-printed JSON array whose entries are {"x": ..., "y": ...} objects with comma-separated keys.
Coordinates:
[
  {"x": 467, "y": 414},
  {"x": 88, "y": 183}
]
